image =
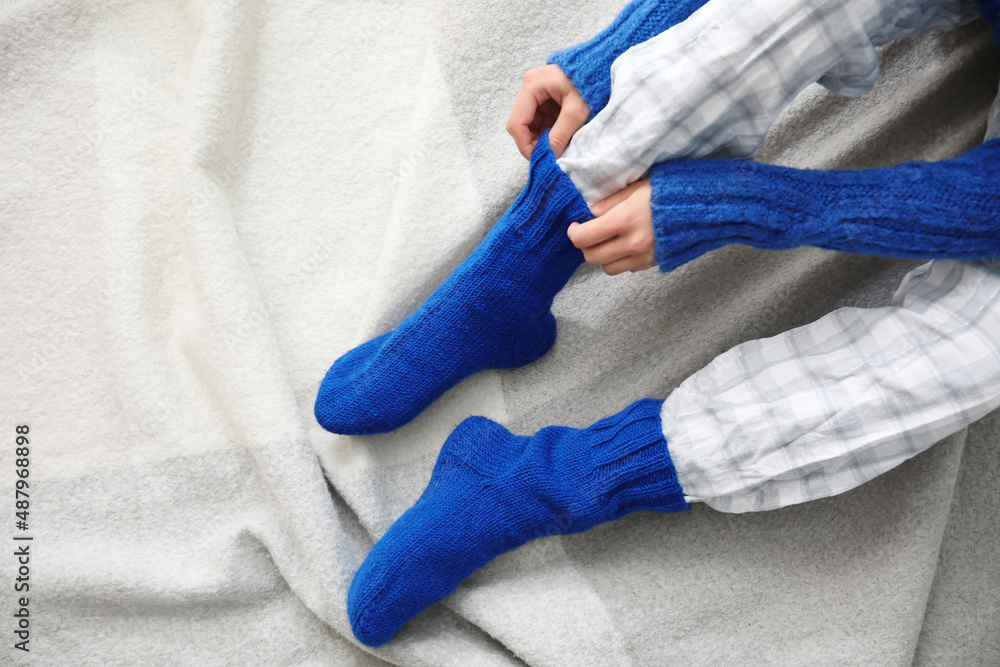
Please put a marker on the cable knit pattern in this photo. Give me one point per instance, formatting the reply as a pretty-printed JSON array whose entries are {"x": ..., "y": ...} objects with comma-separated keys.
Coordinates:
[
  {"x": 492, "y": 491},
  {"x": 588, "y": 64},
  {"x": 946, "y": 209},
  {"x": 491, "y": 312}
]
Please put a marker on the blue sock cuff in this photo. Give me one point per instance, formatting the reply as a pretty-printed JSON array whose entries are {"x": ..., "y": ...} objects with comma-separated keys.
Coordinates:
[
  {"x": 923, "y": 210},
  {"x": 618, "y": 465},
  {"x": 548, "y": 195},
  {"x": 631, "y": 465},
  {"x": 588, "y": 64}
]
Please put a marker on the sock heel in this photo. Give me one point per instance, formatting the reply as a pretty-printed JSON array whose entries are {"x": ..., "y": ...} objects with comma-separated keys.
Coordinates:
[
  {"x": 530, "y": 342},
  {"x": 483, "y": 445}
]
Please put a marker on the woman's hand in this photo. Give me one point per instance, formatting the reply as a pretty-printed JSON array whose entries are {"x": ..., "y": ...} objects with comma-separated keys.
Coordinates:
[
  {"x": 548, "y": 99},
  {"x": 620, "y": 238}
]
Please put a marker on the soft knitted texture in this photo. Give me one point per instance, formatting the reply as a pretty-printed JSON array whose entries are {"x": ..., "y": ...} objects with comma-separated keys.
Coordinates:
[
  {"x": 945, "y": 209},
  {"x": 491, "y": 312},
  {"x": 588, "y": 64},
  {"x": 492, "y": 491}
]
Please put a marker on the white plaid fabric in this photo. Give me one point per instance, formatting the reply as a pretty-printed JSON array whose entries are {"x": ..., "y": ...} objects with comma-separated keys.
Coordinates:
[
  {"x": 823, "y": 408},
  {"x": 712, "y": 85}
]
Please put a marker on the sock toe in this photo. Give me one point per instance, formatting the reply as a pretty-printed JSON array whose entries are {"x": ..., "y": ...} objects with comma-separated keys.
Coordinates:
[
  {"x": 374, "y": 616},
  {"x": 455, "y": 528},
  {"x": 361, "y": 599},
  {"x": 343, "y": 403},
  {"x": 413, "y": 566}
]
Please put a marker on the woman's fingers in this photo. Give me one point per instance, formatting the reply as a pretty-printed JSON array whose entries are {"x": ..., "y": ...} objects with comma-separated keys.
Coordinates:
[{"x": 547, "y": 99}]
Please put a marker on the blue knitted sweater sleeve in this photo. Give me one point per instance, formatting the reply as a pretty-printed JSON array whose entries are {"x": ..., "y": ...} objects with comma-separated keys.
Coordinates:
[
  {"x": 588, "y": 64},
  {"x": 946, "y": 209}
]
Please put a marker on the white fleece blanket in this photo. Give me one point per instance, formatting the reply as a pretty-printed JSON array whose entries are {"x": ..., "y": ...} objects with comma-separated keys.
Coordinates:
[{"x": 204, "y": 203}]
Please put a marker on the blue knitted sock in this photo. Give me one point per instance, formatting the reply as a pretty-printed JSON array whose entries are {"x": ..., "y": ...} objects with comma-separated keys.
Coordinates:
[
  {"x": 588, "y": 65},
  {"x": 491, "y": 312},
  {"x": 923, "y": 210},
  {"x": 492, "y": 491}
]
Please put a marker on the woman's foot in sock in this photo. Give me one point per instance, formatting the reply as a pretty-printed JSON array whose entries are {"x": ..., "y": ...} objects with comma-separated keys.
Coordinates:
[
  {"x": 492, "y": 491},
  {"x": 491, "y": 312}
]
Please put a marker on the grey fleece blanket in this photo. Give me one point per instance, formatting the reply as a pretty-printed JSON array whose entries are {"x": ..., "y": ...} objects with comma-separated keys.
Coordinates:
[{"x": 204, "y": 203}]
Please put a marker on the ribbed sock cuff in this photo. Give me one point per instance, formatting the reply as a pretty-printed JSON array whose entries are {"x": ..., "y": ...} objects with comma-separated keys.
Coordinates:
[
  {"x": 549, "y": 196},
  {"x": 632, "y": 465},
  {"x": 588, "y": 64},
  {"x": 533, "y": 230}
]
